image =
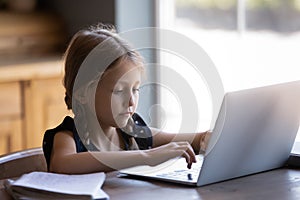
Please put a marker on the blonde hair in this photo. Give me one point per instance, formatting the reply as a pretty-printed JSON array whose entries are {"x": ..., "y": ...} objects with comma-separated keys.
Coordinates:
[{"x": 82, "y": 43}]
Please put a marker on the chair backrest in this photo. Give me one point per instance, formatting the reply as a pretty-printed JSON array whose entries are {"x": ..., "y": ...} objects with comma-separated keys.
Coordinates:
[{"x": 21, "y": 162}]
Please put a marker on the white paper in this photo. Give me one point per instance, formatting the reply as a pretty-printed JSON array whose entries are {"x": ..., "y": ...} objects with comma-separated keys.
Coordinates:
[{"x": 83, "y": 184}]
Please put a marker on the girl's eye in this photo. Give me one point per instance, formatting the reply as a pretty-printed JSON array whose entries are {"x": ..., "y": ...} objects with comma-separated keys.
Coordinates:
[
  {"x": 117, "y": 91},
  {"x": 136, "y": 90}
]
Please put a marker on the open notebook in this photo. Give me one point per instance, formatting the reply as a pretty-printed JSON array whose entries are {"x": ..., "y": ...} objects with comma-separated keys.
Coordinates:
[
  {"x": 254, "y": 132},
  {"x": 44, "y": 185}
]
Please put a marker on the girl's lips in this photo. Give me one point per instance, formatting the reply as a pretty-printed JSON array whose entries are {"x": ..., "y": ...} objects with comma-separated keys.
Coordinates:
[{"x": 127, "y": 113}]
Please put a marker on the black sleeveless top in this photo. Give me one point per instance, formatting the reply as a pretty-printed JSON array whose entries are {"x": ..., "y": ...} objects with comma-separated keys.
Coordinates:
[{"x": 142, "y": 135}]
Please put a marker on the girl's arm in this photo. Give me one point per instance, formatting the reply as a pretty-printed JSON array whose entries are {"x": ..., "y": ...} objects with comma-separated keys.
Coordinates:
[
  {"x": 65, "y": 159},
  {"x": 197, "y": 140}
]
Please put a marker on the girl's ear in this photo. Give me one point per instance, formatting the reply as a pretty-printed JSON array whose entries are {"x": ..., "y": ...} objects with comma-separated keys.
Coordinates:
[{"x": 85, "y": 95}]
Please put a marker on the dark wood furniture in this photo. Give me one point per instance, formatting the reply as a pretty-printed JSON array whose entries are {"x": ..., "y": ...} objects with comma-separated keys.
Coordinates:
[{"x": 277, "y": 184}]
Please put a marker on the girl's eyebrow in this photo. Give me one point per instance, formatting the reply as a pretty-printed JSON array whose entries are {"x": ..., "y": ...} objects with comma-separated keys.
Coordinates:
[{"x": 125, "y": 82}]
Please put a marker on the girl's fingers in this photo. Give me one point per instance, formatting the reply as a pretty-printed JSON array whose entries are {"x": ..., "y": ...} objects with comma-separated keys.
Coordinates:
[
  {"x": 188, "y": 159},
  {"x": 188, "y": 153}
]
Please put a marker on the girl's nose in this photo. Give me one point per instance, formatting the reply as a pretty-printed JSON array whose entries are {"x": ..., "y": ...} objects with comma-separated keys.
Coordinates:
[{"x": 131, "y": 101}]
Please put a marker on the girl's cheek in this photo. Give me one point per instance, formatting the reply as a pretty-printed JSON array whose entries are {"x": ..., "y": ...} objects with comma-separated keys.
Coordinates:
[{"x": 116, "y": 102}]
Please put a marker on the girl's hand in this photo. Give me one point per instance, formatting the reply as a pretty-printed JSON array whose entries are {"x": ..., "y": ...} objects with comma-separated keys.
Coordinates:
[
  {"x": 165, "y": 152},
  {"x": 204, "y": 141}
]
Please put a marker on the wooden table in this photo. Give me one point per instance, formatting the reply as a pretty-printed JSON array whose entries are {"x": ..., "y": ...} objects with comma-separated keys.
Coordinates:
[{"x": 277, "y": 184}]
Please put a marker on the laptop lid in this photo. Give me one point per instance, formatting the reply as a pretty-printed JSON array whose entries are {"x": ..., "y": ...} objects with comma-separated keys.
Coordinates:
[{"x": 254, "y": 132}]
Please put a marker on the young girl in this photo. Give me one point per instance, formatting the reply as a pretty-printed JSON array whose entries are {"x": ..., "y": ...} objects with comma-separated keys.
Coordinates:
[{"x": 114, "y": 137}]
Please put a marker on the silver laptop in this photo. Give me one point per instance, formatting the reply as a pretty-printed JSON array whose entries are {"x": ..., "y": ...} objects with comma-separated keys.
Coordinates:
[{"x": 254, "y": 132}]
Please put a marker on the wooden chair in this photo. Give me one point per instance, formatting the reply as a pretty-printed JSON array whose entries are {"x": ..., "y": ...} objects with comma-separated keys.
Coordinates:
[{"x": 21, "y": 162}]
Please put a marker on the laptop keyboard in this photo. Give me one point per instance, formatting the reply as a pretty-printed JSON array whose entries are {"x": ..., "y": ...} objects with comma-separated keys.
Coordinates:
[
  {"x": 184, "y": 173},
  {"x": 181, "y": 174}
]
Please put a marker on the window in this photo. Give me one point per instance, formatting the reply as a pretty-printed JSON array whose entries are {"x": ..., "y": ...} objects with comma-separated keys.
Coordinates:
[{"x": 251, "y": 42}]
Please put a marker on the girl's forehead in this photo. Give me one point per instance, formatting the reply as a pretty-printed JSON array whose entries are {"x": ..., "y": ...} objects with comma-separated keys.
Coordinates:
[{"x": 123, "y": 71}]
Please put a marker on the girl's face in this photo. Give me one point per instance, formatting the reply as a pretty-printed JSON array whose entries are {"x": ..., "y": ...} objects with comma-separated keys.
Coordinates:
[{"x": 117, "y": 94}]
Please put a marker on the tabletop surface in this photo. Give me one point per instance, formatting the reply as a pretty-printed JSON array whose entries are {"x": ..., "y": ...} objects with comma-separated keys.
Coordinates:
[{"x": 276, "y": 184}]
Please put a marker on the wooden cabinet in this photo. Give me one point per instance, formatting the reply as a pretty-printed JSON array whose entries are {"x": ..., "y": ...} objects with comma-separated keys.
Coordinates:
[
  {"x": 44, "y": 108},
  {"x": 10, "y": 117},
  {"x": 31, "y": 101}
]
